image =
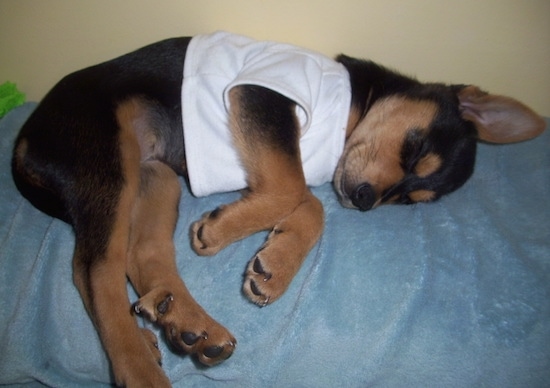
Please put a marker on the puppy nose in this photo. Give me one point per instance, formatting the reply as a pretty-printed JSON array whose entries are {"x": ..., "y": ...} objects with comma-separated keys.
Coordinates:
[{"x": 363, "y": 197}]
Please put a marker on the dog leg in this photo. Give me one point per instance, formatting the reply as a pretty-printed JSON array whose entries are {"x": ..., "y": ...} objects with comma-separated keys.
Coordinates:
[
  {"x": 266, "y": 133},
  {"x": 102, "y": 225},
  {"x": 152, "y": 270}
]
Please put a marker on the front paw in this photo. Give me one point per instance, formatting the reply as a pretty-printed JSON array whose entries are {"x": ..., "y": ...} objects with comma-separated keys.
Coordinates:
[
  {"x": 205, "y": 239},
  {"x": 270, "y": 272},
  {"x": 151, "y": 340}
]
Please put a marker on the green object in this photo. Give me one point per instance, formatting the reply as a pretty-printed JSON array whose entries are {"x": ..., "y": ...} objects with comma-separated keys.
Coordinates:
[{"x": 10, "y": 98}]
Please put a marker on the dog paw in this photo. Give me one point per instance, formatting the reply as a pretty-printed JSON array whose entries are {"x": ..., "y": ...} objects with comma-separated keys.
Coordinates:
[
  {"x": 205, "y": 239},
  {"x": 151, "y": 340},
  {"x": 138, "y": 374},
  {"x": 210, "y": 344},
  {"x": 140, "y": 368},
  {"x": 270, "y": 272},
  {"x": 187, "y": 326}
]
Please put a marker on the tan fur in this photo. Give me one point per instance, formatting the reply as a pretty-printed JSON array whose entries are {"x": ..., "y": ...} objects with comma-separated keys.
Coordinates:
[
  {"x": 134, "y": 114},
  {"x": 428, "y": 165},
  {"x": 421, "y": 195},
  {"x": 353, "y": 120}
]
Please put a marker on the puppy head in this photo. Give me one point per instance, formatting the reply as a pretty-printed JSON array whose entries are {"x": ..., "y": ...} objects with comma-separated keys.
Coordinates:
[{"x": 419, "y": 144}]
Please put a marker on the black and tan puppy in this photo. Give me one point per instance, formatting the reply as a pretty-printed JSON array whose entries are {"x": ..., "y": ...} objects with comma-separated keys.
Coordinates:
[{"x": 103, "y": 150}]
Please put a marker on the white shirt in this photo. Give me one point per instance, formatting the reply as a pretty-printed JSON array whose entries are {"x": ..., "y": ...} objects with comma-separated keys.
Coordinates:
[{"x": 217, "y": 62}]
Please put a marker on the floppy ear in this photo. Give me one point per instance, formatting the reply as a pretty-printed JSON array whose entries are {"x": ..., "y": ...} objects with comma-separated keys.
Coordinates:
[{"x": 499, "y": 119}]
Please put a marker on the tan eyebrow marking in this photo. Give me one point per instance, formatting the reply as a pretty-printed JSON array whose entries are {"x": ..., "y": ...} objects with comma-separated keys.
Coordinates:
[{"x": 428, "y": 165}]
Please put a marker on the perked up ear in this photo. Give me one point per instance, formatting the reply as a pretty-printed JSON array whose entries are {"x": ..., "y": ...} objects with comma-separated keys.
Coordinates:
[{"x": 499, "y": 119}]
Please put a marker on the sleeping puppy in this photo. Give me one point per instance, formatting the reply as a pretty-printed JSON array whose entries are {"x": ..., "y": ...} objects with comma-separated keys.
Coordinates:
[{"x": 104, "y": 149}]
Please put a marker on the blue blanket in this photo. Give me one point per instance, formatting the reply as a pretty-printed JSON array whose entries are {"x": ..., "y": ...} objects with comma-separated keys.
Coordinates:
[{"x": 453, "y": 294}]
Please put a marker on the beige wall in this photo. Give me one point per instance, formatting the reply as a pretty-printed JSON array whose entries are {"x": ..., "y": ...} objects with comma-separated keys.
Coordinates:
[{"x": 501, "y": 45}]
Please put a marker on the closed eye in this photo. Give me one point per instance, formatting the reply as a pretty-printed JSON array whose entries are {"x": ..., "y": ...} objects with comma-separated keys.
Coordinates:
[{"x": 413, "y": 150}]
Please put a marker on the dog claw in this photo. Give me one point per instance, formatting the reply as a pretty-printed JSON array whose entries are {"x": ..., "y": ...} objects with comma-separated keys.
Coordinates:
[
  {"x": 257, "y": 267},
  {"x": 265, "y": 302},
  {"x": 136, "y": 308}
]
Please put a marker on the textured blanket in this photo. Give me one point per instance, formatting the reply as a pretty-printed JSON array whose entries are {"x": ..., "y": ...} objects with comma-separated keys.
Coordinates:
[{"x": 450, "y": 294}]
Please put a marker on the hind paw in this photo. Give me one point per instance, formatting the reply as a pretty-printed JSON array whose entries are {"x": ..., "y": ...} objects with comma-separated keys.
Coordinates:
[
  {"x": 187, "y": 326},
  {"x": 206, "y": 236}
]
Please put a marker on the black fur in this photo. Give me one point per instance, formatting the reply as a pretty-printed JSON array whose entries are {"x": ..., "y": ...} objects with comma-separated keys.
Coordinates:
[{"x": 273, "y": 116}]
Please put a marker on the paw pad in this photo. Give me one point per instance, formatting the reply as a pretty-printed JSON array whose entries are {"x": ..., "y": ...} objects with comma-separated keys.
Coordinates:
[
  {"x": 199, "y": 237},
  {"x": 259, "y": 269},
  {"x": 191, "y": 338},
  {"x": 151, "y": 308},
  {"x": 213, "y": 351},
  {"x": 162, "y": 307},
  {"x": 262, "y": 300}
]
